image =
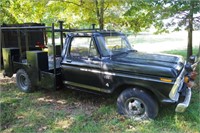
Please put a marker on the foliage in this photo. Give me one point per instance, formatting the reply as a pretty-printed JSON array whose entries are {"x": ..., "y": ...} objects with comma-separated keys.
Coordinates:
[
  {"x": 22, "y": 11},
  {"x": 177, "y": 13},
  {"x": 110, "y": 14},
  {"x": 75, "y": 13},
  {"x": 115, "y": 14},
  {"x": 139, "y": 15}
]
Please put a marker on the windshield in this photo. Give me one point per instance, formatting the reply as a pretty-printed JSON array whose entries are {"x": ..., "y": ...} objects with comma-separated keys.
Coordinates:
[{"x": 113, "y": 45}]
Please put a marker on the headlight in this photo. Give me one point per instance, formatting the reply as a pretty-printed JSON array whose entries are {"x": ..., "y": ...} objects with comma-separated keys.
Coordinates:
[{"x": 193, "y": 59}]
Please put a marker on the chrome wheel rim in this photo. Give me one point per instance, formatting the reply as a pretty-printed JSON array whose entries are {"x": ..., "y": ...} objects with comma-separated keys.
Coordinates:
[
  {"x": 23, "y": 82},
  {"x": 135, "y": 107}
]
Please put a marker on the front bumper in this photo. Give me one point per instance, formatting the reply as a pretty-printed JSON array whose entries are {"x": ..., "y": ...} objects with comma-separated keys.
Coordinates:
[
  {"x": 182, "y": 86},
  {"x": 181, "y": 107}
]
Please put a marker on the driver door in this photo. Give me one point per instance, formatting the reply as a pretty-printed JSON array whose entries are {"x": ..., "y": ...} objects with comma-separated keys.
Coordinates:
[{"x": 81, "y": 67}]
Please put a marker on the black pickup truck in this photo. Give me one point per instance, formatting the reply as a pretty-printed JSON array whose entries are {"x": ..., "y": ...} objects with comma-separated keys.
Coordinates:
[{"x": 105, "y": 62}]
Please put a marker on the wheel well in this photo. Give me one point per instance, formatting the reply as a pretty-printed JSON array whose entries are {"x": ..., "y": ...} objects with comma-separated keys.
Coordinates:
[
  {"x": 20, "y": 67},
  {"x": 16, "y": 70},
  {"x": 121, "y": 88}
]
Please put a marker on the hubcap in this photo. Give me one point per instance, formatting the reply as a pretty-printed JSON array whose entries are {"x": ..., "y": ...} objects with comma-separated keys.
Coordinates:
[{"x": 135, "y": 107}]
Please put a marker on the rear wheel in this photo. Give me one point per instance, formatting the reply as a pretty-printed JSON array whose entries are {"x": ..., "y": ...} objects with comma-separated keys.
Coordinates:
[
  {"x": 23, "y": 81},
  {"x": 137, "y": 104}
]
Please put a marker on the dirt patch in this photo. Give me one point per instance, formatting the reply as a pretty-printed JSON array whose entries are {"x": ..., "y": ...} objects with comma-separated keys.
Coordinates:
[
  {"x": 73, "y": 102},
  {"x": 5, "y": 82}
]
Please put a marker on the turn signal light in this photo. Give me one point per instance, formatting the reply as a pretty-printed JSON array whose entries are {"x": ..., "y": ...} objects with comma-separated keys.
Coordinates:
[
  {"x": 186, "y": 79},
  {"x": 166, "y": 80}
]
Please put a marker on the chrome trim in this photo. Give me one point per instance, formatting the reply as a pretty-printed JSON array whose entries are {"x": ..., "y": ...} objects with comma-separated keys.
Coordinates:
[
  {"x": 86, "y": 86},
  {"x": 122, "y": 75},
  {"x": 174, "y": 95},
  {"x": 167, "y": 101},
  {"x": 105, "y": 72},
  {"x": 96, "y": 71},
  {"x": 142, "y": 78},
  {"x": 181, "y": 107}
]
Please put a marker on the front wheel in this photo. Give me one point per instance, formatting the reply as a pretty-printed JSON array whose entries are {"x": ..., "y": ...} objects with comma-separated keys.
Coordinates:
[
  {"x": 23, "y": 81},
  {"x": 137, "y": 104}
]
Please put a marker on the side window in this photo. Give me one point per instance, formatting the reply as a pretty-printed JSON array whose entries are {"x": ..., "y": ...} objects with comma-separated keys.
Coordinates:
[
  {"x": 92, "y": 51},
  {"x": 82, "y": 47}
]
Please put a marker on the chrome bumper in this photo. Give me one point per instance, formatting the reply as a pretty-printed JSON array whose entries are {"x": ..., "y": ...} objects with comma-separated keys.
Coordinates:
[
  {"x": 181, "y": 107},
  {"x": 174, "y": 93}
]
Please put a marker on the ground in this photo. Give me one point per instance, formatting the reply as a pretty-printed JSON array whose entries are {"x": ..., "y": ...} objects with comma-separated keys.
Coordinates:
[{"x": 73, "y": 111}]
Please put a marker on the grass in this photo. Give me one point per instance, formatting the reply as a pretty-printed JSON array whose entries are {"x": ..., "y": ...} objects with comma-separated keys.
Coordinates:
[
  {"x": 183, "y": 52},
  {"x": 73, "y": 111},
  {"x": 147, "y": 42}
]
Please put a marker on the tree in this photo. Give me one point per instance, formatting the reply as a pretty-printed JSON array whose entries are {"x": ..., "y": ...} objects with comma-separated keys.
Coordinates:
[
  {"x": 5, "y": 15},
  {"x": 139, "y": 15},
  {"x": 100, "y": 12},
  {"x": 93, "y": 11},
  {"x": 75, "y": 13},
  {"x": 22, "y": 11},
  {"x": 182, "y": 13},
  {"x": 194, "y": 8},
  {"x": 113, "y": 14}
]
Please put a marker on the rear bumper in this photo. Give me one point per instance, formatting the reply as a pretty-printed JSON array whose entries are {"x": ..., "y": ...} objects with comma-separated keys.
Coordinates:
[{"x": 181, "y": 107}]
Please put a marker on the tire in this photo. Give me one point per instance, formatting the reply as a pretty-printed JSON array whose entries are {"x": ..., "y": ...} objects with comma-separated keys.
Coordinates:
[
  {"x": 137, "y": 104},
  {"x": 23, "y": 81}
]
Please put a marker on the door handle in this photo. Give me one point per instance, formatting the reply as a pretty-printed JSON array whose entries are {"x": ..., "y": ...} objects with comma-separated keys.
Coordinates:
[
  {"x": 95, "y": 62},
  {"x": 69, "y": 61}
]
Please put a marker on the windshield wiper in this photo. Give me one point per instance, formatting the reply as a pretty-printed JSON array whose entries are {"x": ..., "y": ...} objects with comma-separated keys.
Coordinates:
[
  {"x": 120, "y": 53},
  {"x": 125, "y": 52},
  {"x": 131, "y": 50}
]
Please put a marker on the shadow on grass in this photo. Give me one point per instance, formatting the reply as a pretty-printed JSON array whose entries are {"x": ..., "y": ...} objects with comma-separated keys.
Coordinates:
[
  {"x": 45, "y": 109},
  {"x": 8, "y": 109}
]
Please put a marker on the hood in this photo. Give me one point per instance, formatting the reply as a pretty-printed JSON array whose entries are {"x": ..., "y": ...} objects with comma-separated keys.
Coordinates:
[{"x": 164, "y": 65}]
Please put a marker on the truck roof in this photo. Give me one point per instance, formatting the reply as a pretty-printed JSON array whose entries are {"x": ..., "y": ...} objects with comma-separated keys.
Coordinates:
[{"x": 96, "y": 33}]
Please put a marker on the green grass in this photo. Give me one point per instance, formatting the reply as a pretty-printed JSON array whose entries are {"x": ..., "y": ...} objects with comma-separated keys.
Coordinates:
[
  {"x": 182, "y": 52},
  {"x": 73, "y": 111}
]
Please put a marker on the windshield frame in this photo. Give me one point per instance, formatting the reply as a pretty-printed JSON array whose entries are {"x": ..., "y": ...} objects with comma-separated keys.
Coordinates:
[{"x": 102, "y": 46}]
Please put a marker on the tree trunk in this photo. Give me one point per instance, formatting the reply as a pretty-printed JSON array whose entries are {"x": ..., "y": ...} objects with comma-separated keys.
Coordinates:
[
  {"x": 189, "y": 46},
  {"x": 190, "y": 30},
  {"x": 100, "y": 13}
]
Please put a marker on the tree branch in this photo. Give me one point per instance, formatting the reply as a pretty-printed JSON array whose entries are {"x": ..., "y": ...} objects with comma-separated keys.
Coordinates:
[
  {"x": 106, "y": 7},
  {"x": 76, "y": 4}
]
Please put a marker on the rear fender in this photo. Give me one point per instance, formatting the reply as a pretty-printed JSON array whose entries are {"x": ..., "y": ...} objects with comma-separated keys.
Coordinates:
[{"x": 9, "y": 56}]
